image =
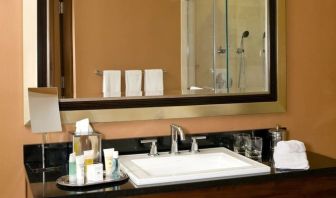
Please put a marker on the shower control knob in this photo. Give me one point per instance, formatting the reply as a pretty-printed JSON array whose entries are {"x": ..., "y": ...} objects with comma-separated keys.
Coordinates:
[
  {"x": 221, "y": 50},
  {"x": 240, "y": 50}
]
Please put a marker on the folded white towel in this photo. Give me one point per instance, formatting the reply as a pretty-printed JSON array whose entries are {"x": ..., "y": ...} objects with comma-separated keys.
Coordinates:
[
  {"x": 195, "y": 88},
  {"x": 290, "y": 146},
  {"x": 133, "y": 80},
  {"x": 153, "y": 82},
  {"x": 111, "y": 83},
  {"x": 291, "y": 161},
  {"x": 290, "y": 155}
]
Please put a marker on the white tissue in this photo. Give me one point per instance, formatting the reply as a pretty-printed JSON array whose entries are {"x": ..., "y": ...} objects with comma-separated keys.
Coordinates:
[{"x": 83, "y": 127}]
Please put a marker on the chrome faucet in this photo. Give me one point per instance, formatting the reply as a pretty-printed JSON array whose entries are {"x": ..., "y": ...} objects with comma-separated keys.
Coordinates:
[{"x": 175, "y": 130}]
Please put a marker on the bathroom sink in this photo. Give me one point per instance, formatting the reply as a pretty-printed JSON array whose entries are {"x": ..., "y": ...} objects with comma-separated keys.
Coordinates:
[{"x": 213, "y": 163}]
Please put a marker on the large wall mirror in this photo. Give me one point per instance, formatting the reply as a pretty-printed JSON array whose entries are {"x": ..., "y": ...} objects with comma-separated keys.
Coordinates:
[{"x": 197, "y": 55}]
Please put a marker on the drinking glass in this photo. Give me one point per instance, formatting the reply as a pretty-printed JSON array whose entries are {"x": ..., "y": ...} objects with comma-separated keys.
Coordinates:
[
  {"x": 254, "y": 148},
  {"x": 240, "y": 140}
]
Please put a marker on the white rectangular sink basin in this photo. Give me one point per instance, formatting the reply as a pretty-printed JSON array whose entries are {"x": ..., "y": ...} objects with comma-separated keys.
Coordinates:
[{"x": 213, "y": 163}]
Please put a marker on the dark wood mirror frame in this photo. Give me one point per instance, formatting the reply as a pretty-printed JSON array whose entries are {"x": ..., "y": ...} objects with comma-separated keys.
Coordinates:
[{"x": 119, "y": 103}]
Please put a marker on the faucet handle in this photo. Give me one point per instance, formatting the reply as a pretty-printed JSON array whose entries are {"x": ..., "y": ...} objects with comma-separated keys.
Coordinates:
[
  {"x": 194, "y": 145},
  {"x": 153, "y": 149}
]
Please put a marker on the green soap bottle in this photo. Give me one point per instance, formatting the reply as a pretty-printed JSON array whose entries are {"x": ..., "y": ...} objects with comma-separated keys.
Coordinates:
[
  {"x": 72, "y": 168},
  {"x": 115, "y": 165}
]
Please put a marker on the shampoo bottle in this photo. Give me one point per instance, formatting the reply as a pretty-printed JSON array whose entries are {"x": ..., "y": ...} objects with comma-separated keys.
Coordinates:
[
  {"x": 115, "y": 165},
  {"x": 72, "y": 168}
]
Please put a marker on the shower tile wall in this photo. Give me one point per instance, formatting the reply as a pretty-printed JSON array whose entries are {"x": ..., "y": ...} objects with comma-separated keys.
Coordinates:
[
  {"x": 250, "y": 16},
  {"x": 207, "y": 26}
]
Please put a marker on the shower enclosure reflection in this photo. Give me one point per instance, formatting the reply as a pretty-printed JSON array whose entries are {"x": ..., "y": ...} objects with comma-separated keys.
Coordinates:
[{"x": 226, "y": 46}]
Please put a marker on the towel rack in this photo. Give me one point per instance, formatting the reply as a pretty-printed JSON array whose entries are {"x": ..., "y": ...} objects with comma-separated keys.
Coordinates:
[{"x": 100, "y": 73}]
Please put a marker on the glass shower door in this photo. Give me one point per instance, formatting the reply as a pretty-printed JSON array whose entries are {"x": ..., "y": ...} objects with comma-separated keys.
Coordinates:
[
  {"x": 221, "y": 80},
  {"x": 207, "y": 46},
  {"x": 204, "y": 36}
]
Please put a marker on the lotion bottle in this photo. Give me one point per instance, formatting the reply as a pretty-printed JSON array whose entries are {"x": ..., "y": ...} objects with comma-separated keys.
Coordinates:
[
  {"x": 80, "y": 170},
  {"x": 88, "y": 159},
  {"x": 108, "y": 156}
]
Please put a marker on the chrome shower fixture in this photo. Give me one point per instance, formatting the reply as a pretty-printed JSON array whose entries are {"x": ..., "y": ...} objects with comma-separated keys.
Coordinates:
[
  {"x": 242, "y": 62},
  {"x": 245, "y": 34},
  {"x": 241, "y": 49}
]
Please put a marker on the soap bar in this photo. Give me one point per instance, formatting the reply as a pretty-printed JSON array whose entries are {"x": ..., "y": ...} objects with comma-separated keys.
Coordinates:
[{"x": 95, "y": 173}]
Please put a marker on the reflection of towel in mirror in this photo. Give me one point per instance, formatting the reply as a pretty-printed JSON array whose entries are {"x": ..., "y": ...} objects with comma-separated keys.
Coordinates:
[
  {"x": 133, "y": 80},
  {"x": 290, "y": 155},
  {"x": 153, "y": 82},
  {"x": 111, "y": 83}
]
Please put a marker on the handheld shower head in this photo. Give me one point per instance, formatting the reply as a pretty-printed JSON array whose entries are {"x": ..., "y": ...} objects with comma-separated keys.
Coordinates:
[{"x": 245, "y": 34}]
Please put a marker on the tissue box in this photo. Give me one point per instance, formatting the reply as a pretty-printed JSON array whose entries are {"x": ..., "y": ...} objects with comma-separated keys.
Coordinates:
[{"x": 91, "y": 141}]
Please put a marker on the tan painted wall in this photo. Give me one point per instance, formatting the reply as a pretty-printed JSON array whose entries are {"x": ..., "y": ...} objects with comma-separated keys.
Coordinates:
[
  {"x": 310, "y": 117},
  {"x": 126, "y": 34}
]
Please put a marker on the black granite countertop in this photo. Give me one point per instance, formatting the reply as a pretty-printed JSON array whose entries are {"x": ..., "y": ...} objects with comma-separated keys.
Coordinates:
[{"x": 318, "y": 165}]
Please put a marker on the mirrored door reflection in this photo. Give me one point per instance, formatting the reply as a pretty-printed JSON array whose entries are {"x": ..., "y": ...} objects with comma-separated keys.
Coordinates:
[{"x": 60, "y": 69}]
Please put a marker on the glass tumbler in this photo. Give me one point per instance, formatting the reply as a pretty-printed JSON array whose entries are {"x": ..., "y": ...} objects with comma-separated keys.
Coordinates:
[
  {"x": 239, "y": 144},
  {"x": 254, "y": 148}
]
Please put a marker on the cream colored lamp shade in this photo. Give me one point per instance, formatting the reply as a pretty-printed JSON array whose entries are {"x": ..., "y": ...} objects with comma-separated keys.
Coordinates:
[{"x": 44, "y": 110}]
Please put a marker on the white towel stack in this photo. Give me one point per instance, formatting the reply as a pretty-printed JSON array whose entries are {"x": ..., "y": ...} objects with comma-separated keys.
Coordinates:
[
  {"x": 290, "y": 155},
  {"x": 153, "y": 82},
  {"x": 133, "y": 80},
  {"x": 111, "y": 83}
]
